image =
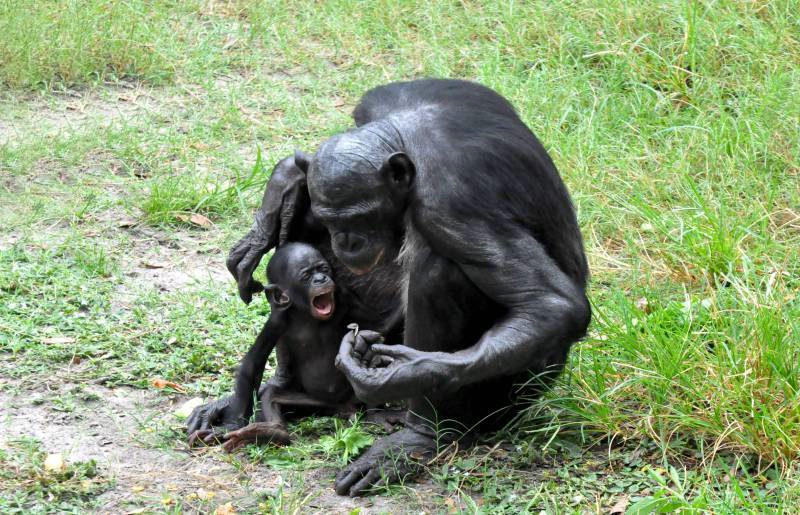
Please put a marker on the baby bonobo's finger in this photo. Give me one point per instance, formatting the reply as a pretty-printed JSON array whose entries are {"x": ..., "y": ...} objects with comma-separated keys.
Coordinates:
[{"x": 232, "y": 445}]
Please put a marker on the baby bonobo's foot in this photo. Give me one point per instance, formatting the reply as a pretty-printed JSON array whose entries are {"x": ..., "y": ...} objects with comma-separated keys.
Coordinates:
[
  {"x": 211, "y": 436},
  {"x": 389, "y": 460},
  {"x": 258, "y": 433}
]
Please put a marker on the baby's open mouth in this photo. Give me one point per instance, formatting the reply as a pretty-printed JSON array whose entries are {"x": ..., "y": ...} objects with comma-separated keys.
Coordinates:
[{"x": 322, "y": 304}]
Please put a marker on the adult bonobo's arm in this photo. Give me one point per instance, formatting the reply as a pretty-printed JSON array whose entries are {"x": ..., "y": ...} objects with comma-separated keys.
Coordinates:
[
  {"x": 283, "y": 207},
  {"x": 547, "y": 310}
]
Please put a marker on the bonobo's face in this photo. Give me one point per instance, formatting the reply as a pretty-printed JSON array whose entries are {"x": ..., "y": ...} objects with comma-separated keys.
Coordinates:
[
  {"x": 300, "y": 277},
  {"x": 361, "y": 203}
]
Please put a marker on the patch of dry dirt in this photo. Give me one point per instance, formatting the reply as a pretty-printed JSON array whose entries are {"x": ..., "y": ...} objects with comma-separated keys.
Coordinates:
[
  {"x": 52, "y": 114},
  {"x": 170, "y": 262},
  {"x": 113, "y": 430},
  {"x": 116, "y": 429}
]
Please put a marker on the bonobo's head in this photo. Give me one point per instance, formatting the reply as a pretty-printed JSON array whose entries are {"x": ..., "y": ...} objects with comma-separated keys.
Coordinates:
[
  {"x": 300, "y": 277},
  {"x": 359, "y": 187}
]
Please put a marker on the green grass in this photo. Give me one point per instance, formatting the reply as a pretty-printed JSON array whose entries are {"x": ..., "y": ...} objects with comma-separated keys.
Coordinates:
[
  {"x": 27, "y": 484},
  {"x": 674, "y": 124}
]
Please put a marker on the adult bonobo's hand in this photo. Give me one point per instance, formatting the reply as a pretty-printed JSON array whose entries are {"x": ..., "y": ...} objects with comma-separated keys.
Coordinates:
[
  {"x": 383, "y": 373},
  {"x": 284, "y": 203}
]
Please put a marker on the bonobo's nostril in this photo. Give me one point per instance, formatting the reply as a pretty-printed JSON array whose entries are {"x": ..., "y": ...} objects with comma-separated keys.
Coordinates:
[
  {"x": 351, "y": 243},
  {"x": 319, "y": 278},
  {"x": 356, "y": 243}
]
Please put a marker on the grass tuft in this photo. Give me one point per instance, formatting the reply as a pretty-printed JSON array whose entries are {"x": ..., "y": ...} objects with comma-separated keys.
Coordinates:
[{"x": 172, "y": 199}]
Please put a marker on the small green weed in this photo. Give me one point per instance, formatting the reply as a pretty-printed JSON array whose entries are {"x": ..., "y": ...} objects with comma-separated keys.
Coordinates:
[
  {"x": 347, "y": 442},
  {"x": 26, "y": 481}
]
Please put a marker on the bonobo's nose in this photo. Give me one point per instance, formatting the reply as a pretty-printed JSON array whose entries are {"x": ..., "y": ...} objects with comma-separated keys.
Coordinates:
[
  {"x": 319, "y": 279},
  {"x": 349, "y": 242}
]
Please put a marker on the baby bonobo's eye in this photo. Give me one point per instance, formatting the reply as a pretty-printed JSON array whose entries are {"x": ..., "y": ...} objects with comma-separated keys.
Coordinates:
[
  {"x": 325, "y": 269},
  {"x": 305, "y": 276}
]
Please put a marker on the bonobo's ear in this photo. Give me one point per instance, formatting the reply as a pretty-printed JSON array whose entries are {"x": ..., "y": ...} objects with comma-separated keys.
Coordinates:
[
  {"x": 301, "y": 160},
  {"x": 276, "y": 296},
  {"x": 399, "y": 171}
]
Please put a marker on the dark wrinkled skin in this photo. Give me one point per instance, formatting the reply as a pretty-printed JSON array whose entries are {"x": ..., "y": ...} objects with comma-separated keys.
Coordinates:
[
  {"x": 492, "y": 258},
  {"x": 373, "y": 299},
  {"x": 306, "y": 342}
]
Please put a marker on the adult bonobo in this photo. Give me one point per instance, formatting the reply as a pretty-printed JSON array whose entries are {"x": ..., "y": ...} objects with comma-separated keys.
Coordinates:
[{"x": 492, "y": 262}]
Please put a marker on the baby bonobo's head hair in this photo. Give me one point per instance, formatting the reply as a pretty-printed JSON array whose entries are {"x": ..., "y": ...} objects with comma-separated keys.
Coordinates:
[{"x": 300, "y": 276}]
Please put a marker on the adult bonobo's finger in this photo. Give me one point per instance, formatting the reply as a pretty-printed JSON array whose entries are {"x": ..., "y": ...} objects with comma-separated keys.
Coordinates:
[
  {"x": 393, "y": 351},
  {"x": 364, "y": 343},
  {"x": 198, "y": 436},
  {"x": 349, "y": 476},
  {"x": 201, "y": 418},
  {"x": 370, "y": 337},
  {"x": 380, "y": 361},
  {"x": 193, "y": 422},
  {"x": 366, "y": 339},
  {"x": 212, "y": 438},
  {"x": 347, "y": 362},
  {"x": 345, "y": 349}
]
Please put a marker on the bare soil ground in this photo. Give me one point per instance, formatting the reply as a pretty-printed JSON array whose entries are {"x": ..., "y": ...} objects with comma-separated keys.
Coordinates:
[
  {"x": 113, "y": 431},
  {"x": 114, "y": 426}
]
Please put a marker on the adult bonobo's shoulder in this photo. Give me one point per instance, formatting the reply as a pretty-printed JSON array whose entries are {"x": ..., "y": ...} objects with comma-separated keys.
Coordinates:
[
  {"x": 380, "y": 102},
  {"x": 475, "y": 163}
]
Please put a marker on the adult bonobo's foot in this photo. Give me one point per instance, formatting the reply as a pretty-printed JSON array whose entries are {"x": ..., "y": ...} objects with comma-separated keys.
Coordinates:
[
  {"x": 209, "y": 422},
  {"x": 389, "y": 460},
  {"x": 258, "y": 433}
]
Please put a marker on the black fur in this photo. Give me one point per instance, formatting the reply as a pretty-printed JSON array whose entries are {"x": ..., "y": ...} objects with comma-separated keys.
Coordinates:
[
  {"x": 492, "y": 268},
  {"x": 306, "y": 342}
]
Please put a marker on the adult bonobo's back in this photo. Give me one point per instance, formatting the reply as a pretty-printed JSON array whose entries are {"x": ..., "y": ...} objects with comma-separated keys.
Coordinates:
[
  {"x": 480, "y": 129},
  {"x": 382, "y": 101},
  {"x": 493, "y": 262}
]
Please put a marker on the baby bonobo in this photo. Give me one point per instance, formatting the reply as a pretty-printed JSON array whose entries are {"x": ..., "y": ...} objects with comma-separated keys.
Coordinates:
[{"x": 305, "y": 327}]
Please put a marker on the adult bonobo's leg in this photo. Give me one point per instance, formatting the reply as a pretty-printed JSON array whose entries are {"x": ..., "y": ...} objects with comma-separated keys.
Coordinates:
[{"x": 434, "y": 322}]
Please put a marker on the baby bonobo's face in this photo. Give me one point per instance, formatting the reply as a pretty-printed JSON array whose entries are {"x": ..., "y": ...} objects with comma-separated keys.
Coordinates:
[{"x": 303, "y": 279}]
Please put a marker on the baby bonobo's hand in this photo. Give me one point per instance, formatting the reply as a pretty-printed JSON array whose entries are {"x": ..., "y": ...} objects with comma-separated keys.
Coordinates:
[{"x": 207, "y": 423}]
